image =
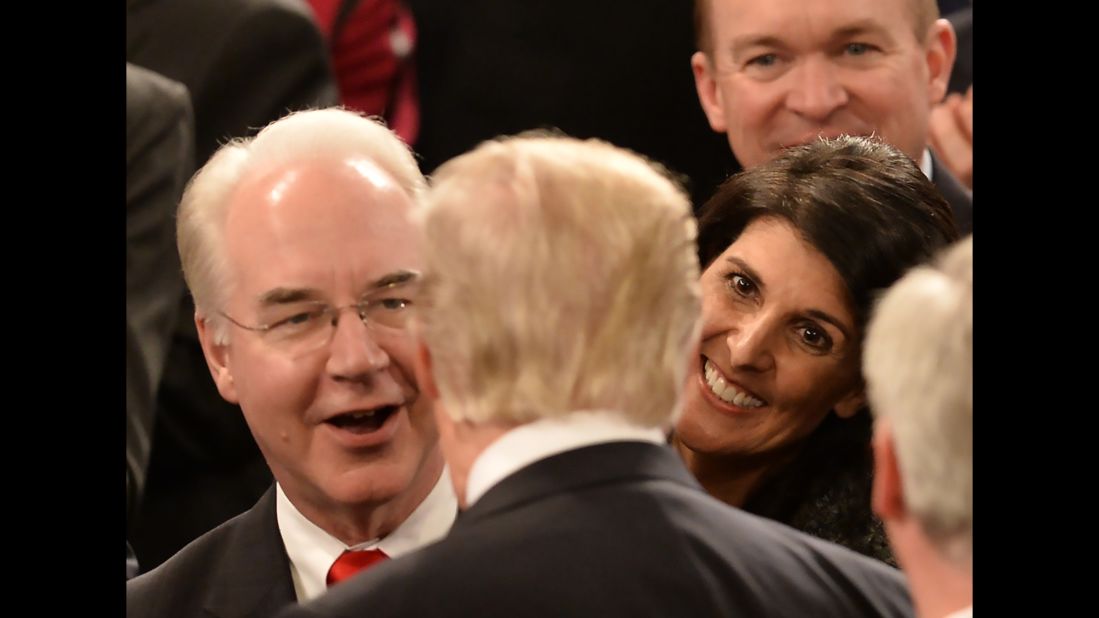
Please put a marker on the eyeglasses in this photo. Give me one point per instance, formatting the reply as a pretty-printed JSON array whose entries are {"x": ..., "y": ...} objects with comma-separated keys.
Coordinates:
[{"x": 306, "y": 326}]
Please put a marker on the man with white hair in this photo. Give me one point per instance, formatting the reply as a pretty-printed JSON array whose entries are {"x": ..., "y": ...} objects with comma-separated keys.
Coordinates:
[
  {"x": 919, "y": 372},
  {"x": 559, "y": 311},
  {"x": 279, "y": 235}
]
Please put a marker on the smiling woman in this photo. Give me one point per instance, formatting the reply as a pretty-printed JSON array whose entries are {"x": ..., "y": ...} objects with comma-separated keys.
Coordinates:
[{"x": 794, "y": 252}]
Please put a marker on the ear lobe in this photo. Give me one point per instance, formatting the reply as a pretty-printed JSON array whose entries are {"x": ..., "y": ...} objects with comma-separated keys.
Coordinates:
[
  {"x": 709, "y": 95},
  {"x": 940, "y": 48},
  {"x": 887, "y": 497},
  {"x": 851, "y": 403},
  {"x": 217, "y": 359}
]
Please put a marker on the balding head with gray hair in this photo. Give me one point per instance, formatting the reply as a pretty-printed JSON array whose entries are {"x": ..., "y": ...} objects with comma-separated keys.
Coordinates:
[{"x": 327, "y": 134}]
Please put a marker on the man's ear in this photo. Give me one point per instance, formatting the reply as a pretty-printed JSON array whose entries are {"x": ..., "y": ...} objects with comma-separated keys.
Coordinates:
[
  {"x": 940, "y": 47},
  {"x": 422, "y": 368},
  {"x": 217, "y": 359},
  {"x": 709, "y": 95},
  {"x": 888, "y": 492}
]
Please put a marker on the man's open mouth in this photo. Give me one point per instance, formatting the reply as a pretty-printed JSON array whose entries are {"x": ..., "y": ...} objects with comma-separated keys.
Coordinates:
[{"x": 364, "y": 421}]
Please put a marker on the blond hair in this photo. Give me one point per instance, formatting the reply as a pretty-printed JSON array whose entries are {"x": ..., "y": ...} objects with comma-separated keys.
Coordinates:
[{"x": 563, "y": 275}]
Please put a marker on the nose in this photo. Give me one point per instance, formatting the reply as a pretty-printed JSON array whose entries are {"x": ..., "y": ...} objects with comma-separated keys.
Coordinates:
[
  {"x": 749, "y": 344},
  {"x": 354, "y": 353},
  {"x": 817, "y": 89}
]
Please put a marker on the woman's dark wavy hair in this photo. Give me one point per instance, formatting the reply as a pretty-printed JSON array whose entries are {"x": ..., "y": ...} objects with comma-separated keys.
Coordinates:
[{"x": 862, "y": 203}]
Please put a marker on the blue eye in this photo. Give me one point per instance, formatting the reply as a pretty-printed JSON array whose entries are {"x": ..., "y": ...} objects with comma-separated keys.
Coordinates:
[
  {"x": 765, "y": 60},
  {"x": 858, "y": 49},
  {"x": 299, "y": 319}
]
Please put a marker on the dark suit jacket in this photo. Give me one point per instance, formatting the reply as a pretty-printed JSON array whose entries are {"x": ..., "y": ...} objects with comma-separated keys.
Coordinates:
[
  {"x": 237, "y": 570},
  {"x": 160, "y": 144},
  {"x": 961, "y": 77},
  {"x": 246, "y": 64},
  {"x": 619, "y": 529},
  {"x": 960, "y": 201},
  {"x": 591, "y": 69}
]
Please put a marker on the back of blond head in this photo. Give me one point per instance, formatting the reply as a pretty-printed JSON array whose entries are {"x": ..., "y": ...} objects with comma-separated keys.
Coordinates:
[
  {"x": 918, "y": 364},
  {"x": 562, "y": 276},
  {"x": 316, "y": 135}
]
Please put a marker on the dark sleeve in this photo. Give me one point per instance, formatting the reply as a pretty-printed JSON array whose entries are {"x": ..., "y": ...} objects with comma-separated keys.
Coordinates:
[
  {"x": 159, "y": 160},
  {"x": 139, "y": 424}
]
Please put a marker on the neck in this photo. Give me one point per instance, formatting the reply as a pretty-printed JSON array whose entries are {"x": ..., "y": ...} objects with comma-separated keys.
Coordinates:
[
  {"x": 462, "y": 443},
  {"x": 939, "y": 585},
  {"x": 728, "y": 478},
  {"x": 353, "y": 524}
]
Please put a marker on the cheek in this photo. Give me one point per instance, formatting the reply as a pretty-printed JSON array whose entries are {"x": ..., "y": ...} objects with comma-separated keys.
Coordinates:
[
  {"x": 401, "y": 353},
  {"x": 692, "y": 426},
  {"x": 717, "y": 314},
  {"x": 745, "y": 106},
  {"x": 893, "y": 98},
  {"x": 269, "y": 384},
  {"x": 813, "y": 391}
]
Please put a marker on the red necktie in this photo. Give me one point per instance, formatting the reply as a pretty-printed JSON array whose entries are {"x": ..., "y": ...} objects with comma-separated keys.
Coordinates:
[{"x": 351, "y": 562}]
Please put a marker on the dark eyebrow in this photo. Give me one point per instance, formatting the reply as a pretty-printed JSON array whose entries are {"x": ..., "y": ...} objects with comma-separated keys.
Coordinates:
[
  {"x": 825, "y": 317},
  {"x": 393, "y": 279},
  {"x": 748, "y": 270},
  {"x": 281, "y": 296}
]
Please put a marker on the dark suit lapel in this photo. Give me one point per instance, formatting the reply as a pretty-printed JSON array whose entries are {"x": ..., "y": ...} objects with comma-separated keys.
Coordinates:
[
  {"x": 960, "y": 201},
  {"x": 575, "y": 469},
  {"x": 253, "y": 575}
]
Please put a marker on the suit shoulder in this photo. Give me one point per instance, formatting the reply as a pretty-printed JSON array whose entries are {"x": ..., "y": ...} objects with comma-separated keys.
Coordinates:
[
  {"x": 180, "y": 582},
  {"x": 857, "y": 583},
  {"x": 148, "y": 88}
]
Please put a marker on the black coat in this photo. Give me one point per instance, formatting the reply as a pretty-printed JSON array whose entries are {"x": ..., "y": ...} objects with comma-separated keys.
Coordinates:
[{"x": 618, "y": 529}]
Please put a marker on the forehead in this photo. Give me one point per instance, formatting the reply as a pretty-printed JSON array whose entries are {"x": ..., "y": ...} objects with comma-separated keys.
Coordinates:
[
  {"x": 791, "y": 269},
  {"x": 795, "y": 19},
  {"x": 323, "y": 225}
]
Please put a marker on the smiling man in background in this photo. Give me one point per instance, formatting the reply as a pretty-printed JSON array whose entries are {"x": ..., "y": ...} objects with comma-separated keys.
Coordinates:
[{"x": 771, "y": 74}]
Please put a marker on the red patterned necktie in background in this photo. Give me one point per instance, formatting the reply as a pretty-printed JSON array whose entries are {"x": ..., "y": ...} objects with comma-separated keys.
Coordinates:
[{"x": 351, "y": 562}]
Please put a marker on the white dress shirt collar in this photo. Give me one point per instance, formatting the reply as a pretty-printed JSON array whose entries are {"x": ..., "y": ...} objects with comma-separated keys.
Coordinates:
[
  {"x": 312, "y": 550},
  {"x": 926, "y": 166},
  {"x": 544, "y": 438}
]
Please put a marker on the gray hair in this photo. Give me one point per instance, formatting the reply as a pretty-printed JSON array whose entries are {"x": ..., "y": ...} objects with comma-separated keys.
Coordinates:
[
  {"x": 299, "y": 136},
  {"x": 918, "y": 364}
]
